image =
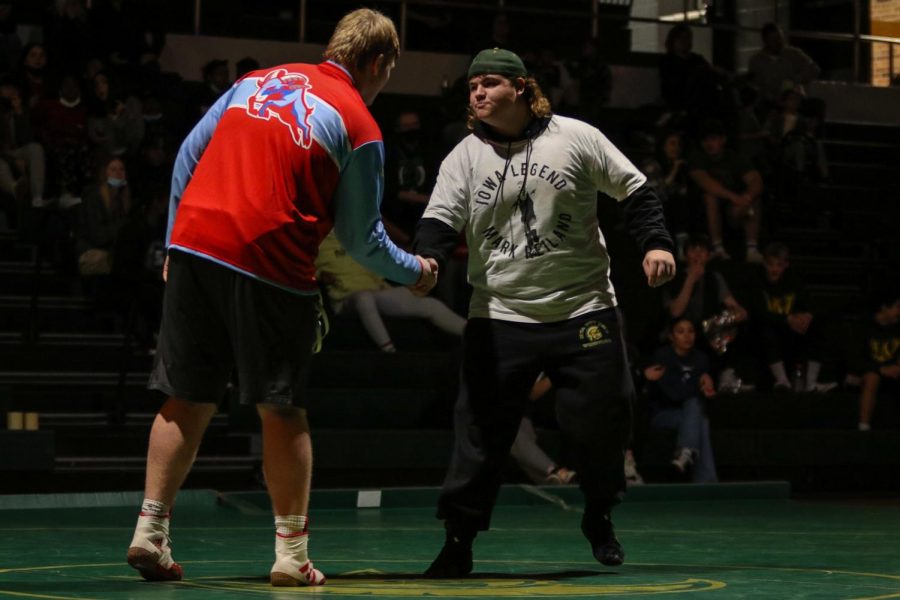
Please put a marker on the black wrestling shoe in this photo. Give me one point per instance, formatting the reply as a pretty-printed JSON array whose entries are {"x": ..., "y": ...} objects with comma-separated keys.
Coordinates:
[
  {"x": 604, "y": 545},
  {"x": 455, "y": 559}
]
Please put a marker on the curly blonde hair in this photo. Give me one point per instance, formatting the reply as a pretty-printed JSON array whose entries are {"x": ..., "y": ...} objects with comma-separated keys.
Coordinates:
[
  {"x": 537, "y": 102},
  {"x": 360, "y": 36}
]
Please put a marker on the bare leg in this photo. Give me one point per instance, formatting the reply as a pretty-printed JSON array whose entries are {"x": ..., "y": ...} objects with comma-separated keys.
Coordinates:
[
  {"x": 868, "y": 397},
  {"x": 713, "y": 218},
  {"x": 174, "y": 440},
  {"x": 752, "y": 223},
  {"x": 287, "y": 464},
  {"x": 287, "y": 458}
]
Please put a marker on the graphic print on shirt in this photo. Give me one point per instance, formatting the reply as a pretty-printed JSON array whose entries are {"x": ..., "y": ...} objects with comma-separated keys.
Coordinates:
[
  {"x": 780, "y": 305},
  {"x": 501, "y": 235},
  {"x": 884, "y": 350},
  {"x": 282, "y": 95}
]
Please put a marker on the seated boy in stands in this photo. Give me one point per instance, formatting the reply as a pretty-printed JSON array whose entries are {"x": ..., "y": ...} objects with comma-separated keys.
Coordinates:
[
  {"x": 788, "y": 332},
  {"x": 879, "y": 361},
  {"x": 352, "y": 288},
  {"x": 680, "y": 380},
  {"x": 728, "y": 183},
  {"x": 699, "y": 292}
]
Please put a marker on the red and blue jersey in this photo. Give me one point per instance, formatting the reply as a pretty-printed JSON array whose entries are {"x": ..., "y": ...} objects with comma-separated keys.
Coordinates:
[{"x": 281, "y": 158}]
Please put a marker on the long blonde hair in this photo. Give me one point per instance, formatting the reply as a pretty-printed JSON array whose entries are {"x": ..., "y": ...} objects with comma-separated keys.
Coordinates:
[
  {"x": 123, "y": 206},
  {"x": 538, "y": 103},
  {"x": 360, "y": 36}
]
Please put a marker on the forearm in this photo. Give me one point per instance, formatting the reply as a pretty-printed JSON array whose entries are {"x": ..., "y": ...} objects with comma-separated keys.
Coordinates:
[
  {"x": 680, "y": 303},
  {"x": 644, "y": 220},
  {"x": 711, "y": 186},
  {"x": 435, "y": 239}
]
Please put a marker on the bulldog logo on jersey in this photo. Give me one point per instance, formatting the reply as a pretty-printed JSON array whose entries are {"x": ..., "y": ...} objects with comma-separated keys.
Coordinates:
[{"x": 282, "y": 95}]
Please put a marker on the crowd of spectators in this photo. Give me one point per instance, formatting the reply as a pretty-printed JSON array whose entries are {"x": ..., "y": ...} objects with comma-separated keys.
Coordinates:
[{"x": 89, "y": 126}]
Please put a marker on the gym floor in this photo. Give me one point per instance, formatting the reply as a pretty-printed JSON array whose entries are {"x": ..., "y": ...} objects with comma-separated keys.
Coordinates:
[{"x": 739, "y": 545}]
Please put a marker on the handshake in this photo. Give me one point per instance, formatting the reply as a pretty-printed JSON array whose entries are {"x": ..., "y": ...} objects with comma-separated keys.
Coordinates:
[{"x": 427, "y": 279}]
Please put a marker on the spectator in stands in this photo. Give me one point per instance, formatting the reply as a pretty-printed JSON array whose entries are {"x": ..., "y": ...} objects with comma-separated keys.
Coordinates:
[
  {"x": 61, "y": 125},
  {"x": 698, "y": 293},
  {"x": 554, "y": 78},
  {"x": 152, "y": 168},
  {"x": 780, "y": 122},
  {"x": 23, "y": 156},
  {"x": 667, "y": 172},
  {"x": 352, "y": 288},
  {"x": 10, "y": 42},
  {"x": 727, "y": 180},
  {"x": 879, "y": 361},
  {"x": 593, "y": 78},
  {"x": 69, "y": 35},
  {"x": 530, "y": 457},
  {"x": 753, "y": 140},
  {"x": 803, "y": 158},
  {"x": 115, "y": 124},
  {"x": 690, "y": 85},
  {"x": 128, "y": 34},
  {"x": 680, "y": 380},
  {"x": 105, "y": 209},
  {"x": 34, "y": 74},
  {"x": 539, "y": 467},
  {"x": 778, "y": 66},
  {"x": 789, "y": 334},
  {"x": 409, "y": 172},
  {"x": 244, "y": 66},
  {"x": 215, "y": 82}
]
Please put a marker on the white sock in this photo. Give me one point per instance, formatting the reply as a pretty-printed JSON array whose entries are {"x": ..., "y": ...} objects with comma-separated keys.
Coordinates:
[
  {"x": 388, "y": 347},
  {"x": 865, "y": 427},
  {"x": 152, "y": 531},
  {"x": 291, "y": 549},
  {"x": 812, "y": 373},
  {"x": 779, "y": 374}
]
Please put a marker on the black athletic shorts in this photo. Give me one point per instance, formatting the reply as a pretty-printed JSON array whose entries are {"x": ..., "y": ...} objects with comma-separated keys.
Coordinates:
[{"x": 216, "y": 320}]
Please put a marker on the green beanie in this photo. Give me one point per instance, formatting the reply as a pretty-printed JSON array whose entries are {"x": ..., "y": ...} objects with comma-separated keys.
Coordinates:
[{"x": 498, "y": 62}]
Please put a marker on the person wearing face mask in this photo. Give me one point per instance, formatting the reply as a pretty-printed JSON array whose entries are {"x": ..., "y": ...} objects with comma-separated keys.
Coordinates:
[
  {"x": 409, "y": 172},
  {"x": 106, "y": 207},
  {"x": 61, "y": 125}
]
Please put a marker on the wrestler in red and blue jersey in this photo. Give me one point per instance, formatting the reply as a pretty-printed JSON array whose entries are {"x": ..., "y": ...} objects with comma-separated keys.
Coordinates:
[{"x": 295, "y": 153}]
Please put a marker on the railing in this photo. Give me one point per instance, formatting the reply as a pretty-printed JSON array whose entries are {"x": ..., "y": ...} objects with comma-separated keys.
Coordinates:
[{"x": 595, "y": 12}]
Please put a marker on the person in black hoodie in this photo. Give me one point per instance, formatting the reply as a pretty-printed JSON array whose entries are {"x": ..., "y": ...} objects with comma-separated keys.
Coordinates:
[
  {"x": 879, "y": 358},
  {"x": 789, "y": 333}
]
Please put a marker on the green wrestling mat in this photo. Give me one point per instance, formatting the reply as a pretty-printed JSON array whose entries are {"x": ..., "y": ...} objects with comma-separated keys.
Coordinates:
[{"x": 743, "y": 541}]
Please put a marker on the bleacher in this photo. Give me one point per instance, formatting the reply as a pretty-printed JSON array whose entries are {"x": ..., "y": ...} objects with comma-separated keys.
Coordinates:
[{"x": 384, "y": 420}]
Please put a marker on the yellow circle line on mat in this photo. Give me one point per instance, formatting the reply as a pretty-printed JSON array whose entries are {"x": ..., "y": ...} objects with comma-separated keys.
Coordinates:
[
  {"x": 889, "y": 595},
  {"x": 480, "y": 561},
  {"x": 485, "y": 588}
]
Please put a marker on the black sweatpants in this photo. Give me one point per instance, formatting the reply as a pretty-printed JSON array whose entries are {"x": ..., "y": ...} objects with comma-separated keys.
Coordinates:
[{"x": 586, "y": 362}]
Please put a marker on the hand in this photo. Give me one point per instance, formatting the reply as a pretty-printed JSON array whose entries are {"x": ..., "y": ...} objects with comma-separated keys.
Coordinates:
[
  {"x": 327, "y": 277},
  {"x": 740, "y": 313},
  {"x": 427, "y": 279},
  {"x": 165, "y": 273},
  {"x": 695, "y": 271},
  {"x": 659, "y": 267},
  {"x": 706, "y": 386},
  {"x": 654, "y": 372},
  {"x": 799, "y": 322},
  {"x": 890, "y": 371}
]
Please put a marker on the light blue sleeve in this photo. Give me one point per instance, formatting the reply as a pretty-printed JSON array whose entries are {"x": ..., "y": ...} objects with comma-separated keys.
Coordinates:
[
  {"x": 357, "y": 218},
  {"x": 190, "y": 152}
]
